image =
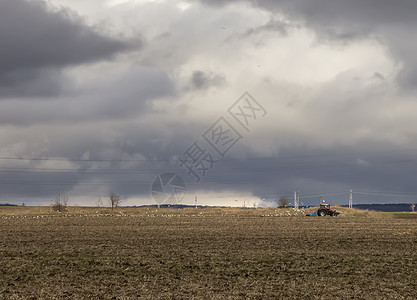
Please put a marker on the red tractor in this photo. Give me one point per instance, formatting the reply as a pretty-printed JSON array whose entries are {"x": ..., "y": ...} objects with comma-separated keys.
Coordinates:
[{"x": 325, "y": 210}]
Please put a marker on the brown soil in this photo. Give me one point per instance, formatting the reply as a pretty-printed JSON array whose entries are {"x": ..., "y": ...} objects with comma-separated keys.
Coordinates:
[{"x": 90, "y": 253}]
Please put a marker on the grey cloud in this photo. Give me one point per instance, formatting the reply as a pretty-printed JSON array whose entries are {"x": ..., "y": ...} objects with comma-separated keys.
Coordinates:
[
  {"x": 149, "y": 148},
  {"x": 36, "y": 40},
  {"x": 126, "y": 96},
  {"x": 114, "y": 119},
  {"x": 389, "y": 22},
  {"x": 116, "y": 97},
  {"x": 204, "y": 80},
  {"x": 33, "y": 83},
  {"x": 378, "y": 76},
  {"x": 331, "y": 12},
  {"x": 274, "y": 25}
]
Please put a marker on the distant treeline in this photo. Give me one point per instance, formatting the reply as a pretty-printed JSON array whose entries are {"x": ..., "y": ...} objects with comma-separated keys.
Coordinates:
[
  {"x": 176, "y": 206},
  {"x": 390, "y": 207},
  {"x": 7, "y": 204}
]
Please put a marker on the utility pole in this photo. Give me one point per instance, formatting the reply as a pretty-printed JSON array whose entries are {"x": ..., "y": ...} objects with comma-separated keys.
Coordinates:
[
  {"x": 295, "y": 199},
  {"x": 298, "y": 199},
  {"x": 195, "y": 199},
  {"x": 99, "y": 202},
  {"x": 350, "y": 199}
]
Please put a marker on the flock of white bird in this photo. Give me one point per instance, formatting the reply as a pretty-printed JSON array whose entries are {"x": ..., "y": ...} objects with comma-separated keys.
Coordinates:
[{"x": 287, "y": 213}]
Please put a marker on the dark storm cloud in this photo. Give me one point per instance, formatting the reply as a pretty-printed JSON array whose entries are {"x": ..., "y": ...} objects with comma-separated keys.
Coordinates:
[
  {"x": 123, "y": 158},
  {"x": 115, "y": 98},
  {"x": 317, "y": 172},
  {"x": 35, "y": 41},
  {"x": 130, "y": 119},
  {"x": 32, "y": 83}
]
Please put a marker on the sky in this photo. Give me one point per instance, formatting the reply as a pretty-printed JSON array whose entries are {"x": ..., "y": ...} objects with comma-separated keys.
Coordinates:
[{"x": 234, "y": 103}]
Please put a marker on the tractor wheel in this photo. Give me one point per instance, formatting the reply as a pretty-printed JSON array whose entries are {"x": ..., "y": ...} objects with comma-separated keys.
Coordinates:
[
  {"x": 322, "y": 213},
  {"x": 335, "y": 214}
]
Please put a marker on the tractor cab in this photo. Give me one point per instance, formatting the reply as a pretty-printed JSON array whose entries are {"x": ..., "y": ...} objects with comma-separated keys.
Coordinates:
[{"x": 325, "y": 206}]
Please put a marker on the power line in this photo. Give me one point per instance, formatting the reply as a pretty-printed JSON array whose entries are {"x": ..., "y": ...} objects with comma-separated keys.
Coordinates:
[
  {"x": 81, "y": 160},
  {"x": 283, "y": 158},
  {"x": 387, "y": 195},
  {"x": 324, "y": 195},
  {"x": 385, "y": 192},
  {"x": 304, "y": 166}
]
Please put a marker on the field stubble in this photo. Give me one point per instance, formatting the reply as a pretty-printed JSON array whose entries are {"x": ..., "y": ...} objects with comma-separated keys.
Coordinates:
[{"x": 205, "y": 254}]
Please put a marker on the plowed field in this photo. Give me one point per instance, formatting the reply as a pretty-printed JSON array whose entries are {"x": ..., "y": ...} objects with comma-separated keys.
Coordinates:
[{"x": 205, "y": 254}]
